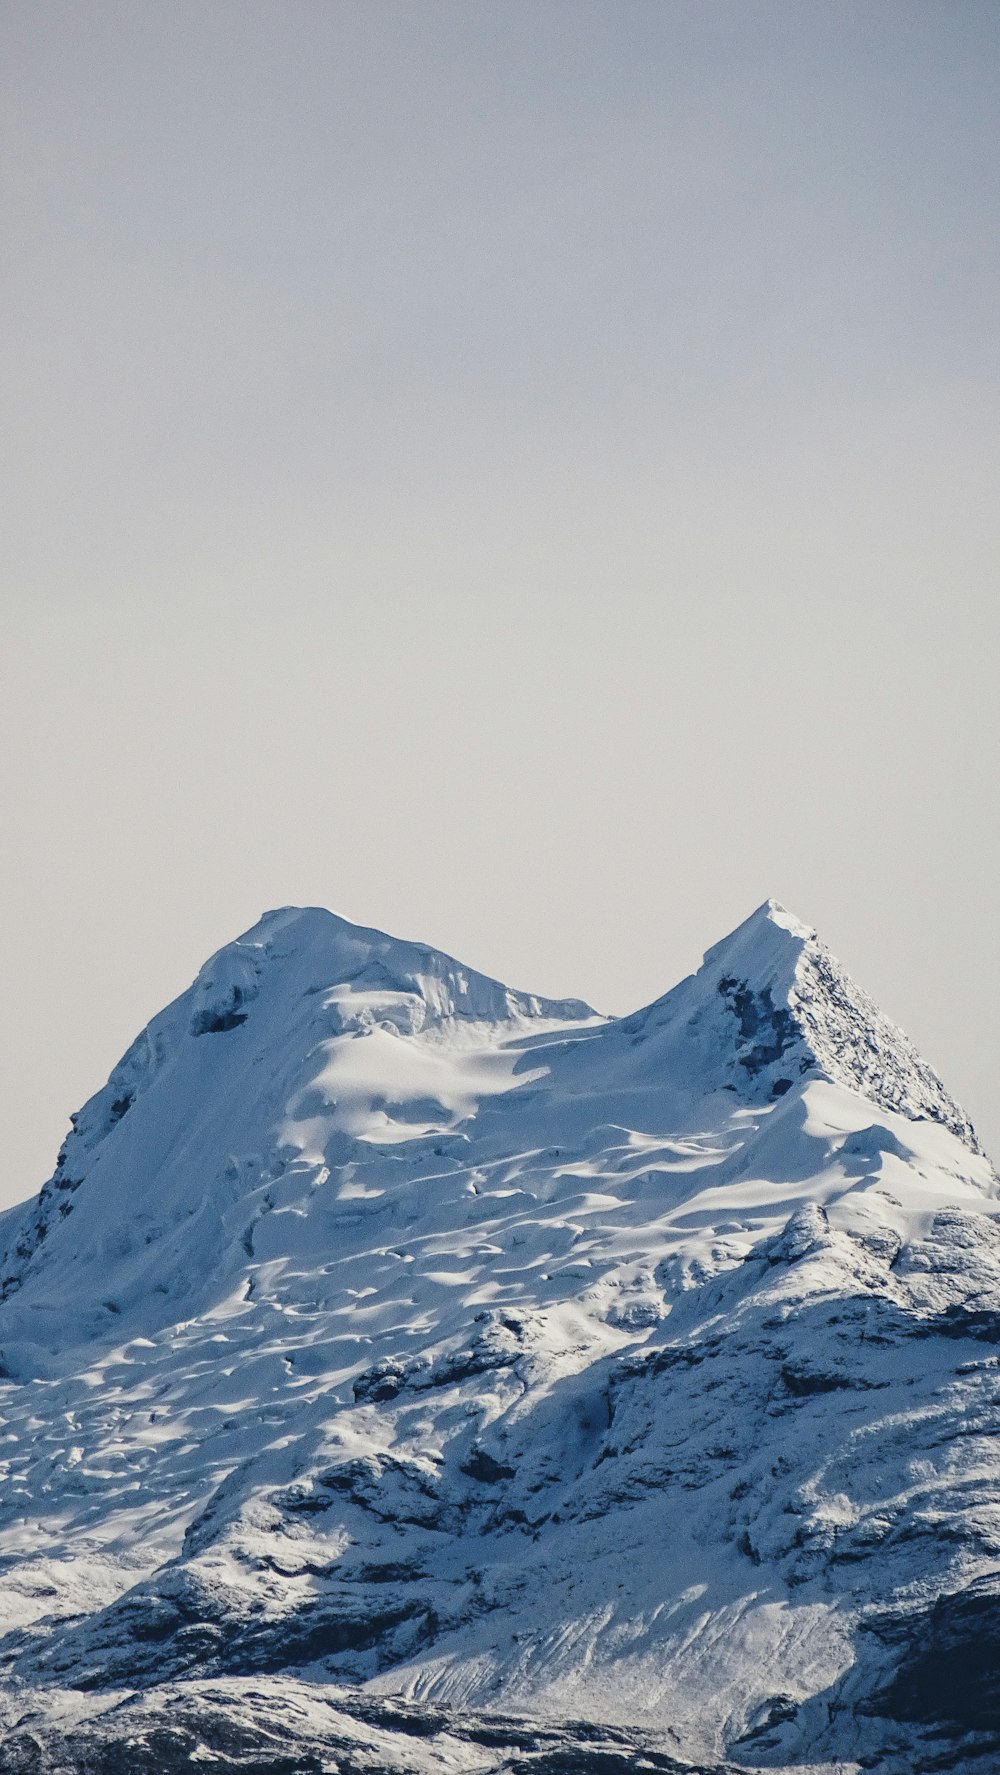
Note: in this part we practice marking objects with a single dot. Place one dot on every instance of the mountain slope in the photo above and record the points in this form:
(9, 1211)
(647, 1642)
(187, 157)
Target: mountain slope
(383, 1326)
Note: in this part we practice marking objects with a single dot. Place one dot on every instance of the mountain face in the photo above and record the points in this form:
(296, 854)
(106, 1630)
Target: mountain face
(405, 1373)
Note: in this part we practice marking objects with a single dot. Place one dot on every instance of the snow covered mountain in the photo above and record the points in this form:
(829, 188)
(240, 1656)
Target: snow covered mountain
(402, 1372)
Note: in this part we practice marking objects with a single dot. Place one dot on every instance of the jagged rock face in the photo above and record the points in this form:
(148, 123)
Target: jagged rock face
(881, 1064)
(787, 1008)
(382, 1326)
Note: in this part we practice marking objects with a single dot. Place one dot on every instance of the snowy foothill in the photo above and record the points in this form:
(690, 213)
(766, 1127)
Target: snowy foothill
(414, 1343)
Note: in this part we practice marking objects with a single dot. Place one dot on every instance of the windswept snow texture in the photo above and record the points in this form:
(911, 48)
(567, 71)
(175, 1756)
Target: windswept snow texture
(398, 1368)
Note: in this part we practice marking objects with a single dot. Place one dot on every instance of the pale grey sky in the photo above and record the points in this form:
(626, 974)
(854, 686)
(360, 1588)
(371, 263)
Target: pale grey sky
(521, 474)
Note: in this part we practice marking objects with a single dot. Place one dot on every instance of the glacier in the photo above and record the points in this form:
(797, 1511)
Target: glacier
(402, 1372)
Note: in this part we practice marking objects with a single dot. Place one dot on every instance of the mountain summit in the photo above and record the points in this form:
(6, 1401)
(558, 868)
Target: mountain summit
(788, 1009)
(450, 1354)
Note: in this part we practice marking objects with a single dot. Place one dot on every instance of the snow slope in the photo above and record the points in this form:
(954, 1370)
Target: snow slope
(384, 1327)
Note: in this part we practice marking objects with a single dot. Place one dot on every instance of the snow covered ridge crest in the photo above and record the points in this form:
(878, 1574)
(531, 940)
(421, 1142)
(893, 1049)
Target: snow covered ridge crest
(787, 1009)
(769, 1007)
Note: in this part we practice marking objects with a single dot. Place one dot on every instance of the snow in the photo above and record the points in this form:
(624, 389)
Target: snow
(384, 1326)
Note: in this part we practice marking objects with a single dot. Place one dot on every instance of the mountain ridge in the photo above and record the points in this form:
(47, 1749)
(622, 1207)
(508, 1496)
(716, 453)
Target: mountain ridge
(384, 1326)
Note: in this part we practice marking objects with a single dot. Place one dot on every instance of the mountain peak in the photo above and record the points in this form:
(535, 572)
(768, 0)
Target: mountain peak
(765, 948)
(265, 1051)
(772, 1000)
(318, 951)
(362, 1267)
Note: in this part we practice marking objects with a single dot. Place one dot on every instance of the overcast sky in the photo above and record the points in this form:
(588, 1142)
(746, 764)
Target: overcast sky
(522, 474)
